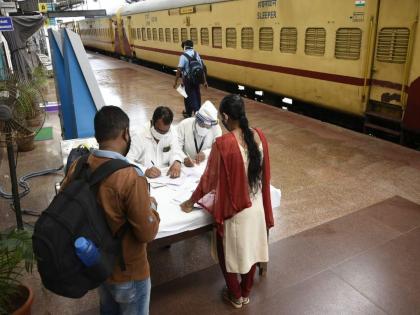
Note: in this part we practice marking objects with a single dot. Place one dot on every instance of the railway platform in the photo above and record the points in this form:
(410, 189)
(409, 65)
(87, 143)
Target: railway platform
(346, 235)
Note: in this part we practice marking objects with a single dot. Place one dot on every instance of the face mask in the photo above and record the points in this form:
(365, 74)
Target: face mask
(224, 122)
(202, 132)
(158, 136)
(128, 145)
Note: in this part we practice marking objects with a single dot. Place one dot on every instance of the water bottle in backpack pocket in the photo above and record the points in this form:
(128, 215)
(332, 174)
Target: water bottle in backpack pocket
(90, 255)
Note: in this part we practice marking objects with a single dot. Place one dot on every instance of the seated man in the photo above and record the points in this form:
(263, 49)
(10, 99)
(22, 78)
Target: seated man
(156, 145)
(197, 134)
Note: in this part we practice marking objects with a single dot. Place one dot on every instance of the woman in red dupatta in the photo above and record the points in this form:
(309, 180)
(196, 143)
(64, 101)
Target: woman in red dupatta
(235, 189)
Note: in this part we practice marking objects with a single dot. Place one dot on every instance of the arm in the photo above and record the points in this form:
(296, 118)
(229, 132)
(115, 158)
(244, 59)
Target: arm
(177, 76)
(177, 153)
(181, 139)
(143, 219)
(181, 66)
(217, 133)
(176, 156)
(207, 185)
(137, 152)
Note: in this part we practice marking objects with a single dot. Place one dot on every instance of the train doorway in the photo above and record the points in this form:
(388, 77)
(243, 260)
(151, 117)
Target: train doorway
(391, 66)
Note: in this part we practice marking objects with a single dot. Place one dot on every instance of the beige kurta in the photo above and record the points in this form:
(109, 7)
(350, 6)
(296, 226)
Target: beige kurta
(245, 235)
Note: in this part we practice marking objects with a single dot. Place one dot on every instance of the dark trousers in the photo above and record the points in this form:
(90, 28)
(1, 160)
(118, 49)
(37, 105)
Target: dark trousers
(235, 288)
(193, 101)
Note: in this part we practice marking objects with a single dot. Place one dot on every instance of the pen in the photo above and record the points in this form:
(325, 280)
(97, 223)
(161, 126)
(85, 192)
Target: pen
(190, 158)
(152, 163)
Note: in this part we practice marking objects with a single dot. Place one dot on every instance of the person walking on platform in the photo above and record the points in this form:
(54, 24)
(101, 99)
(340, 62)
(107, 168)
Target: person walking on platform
(197, 134)
(192, 70)
(235, 189)
(156, 145)
(124, 197)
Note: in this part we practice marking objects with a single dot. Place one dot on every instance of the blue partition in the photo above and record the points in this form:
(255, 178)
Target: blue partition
(76, 85)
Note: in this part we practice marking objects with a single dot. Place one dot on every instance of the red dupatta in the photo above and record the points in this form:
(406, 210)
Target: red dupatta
(223, 189)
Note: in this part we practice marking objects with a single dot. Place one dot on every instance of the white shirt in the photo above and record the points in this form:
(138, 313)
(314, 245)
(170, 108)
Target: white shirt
(187, 133)
(146, 152)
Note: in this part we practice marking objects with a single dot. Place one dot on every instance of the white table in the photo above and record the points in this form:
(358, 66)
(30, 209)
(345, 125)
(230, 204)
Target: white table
(175, 224)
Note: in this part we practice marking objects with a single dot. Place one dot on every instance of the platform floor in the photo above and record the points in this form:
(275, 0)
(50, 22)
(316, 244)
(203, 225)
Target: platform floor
(325, 173)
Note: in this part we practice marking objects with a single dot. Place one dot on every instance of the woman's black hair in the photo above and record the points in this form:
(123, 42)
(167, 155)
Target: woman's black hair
(233, 106)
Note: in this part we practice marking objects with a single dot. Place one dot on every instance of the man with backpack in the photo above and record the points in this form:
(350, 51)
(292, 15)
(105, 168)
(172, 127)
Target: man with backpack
(192, 70)
(128, 212)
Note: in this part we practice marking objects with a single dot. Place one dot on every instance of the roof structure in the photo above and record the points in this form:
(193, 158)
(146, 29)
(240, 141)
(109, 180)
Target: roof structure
(157, 5)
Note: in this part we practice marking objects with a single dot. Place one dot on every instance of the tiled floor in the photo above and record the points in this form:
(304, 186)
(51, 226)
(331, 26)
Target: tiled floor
(363, 263)
(325, 173)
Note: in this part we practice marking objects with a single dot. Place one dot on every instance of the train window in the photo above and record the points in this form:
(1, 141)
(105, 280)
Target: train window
(217, 37)
(149, 34)
(315, 41)
(184, 34)
(204, 32)
(348, 42)
(168, 34)
(393, 45)
(143, 33)
(231, 37)
(139, 33)
(175, 35)
(247, 38)
(132, 32)
(161, 35)
(194, 35)
(154, 32)
(266, 38)
(288, 40)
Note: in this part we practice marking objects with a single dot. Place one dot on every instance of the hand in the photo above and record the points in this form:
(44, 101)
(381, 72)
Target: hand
(206, 85)
(152, 172)
(188, 162)
(200, 157)
(175, 170)
(187, 206)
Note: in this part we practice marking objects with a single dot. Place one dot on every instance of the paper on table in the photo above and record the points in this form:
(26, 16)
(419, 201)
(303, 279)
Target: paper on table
(196, 171)
(181, 90)
(166, 180)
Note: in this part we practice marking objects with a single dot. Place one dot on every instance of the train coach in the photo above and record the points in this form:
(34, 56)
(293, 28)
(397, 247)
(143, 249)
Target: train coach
(360, 57)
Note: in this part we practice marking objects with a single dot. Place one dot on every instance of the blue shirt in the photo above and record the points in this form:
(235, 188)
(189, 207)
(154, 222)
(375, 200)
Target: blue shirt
(184, 63)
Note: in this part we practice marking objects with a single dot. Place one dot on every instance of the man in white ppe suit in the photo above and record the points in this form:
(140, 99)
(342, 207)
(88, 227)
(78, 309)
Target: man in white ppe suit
(197, 134)
(156, 146)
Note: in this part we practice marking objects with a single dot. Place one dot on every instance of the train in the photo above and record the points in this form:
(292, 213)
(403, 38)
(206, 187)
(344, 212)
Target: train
(360, 57)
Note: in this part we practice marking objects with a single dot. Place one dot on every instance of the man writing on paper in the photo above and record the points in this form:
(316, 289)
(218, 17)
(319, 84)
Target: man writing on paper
(156, 145)
(197, 134)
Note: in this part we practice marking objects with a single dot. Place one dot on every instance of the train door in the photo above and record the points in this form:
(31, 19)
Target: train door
(391, 63)
(116, 36)
(125, 29)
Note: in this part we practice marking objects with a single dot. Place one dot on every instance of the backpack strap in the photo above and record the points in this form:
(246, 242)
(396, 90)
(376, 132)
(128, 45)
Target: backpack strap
(106, 170)
(81, 166)
(189, 57)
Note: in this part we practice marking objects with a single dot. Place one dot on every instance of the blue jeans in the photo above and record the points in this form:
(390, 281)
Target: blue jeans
(127, 298)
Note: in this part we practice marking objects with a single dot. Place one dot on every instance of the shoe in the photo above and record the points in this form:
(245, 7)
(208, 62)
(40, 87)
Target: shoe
(236, 303)
(245, 300)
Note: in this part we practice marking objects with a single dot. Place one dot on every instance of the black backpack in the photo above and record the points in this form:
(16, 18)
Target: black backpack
(74, 212)
(75, 154)
(195, 74)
